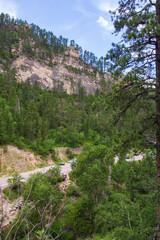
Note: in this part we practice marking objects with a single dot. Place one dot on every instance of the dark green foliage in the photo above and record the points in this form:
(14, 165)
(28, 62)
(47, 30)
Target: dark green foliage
(123, 207)
(80, 221)
(126, 209)
(73, 69)
(39, 119)
(73, 191)
(53, 175)
(136, 61)
(7, 125)
(16, 181)
(11, 194)
(15, 187)
(70, 154)
(133, 62)
(91, 170)
(80, 71)
(39, 188)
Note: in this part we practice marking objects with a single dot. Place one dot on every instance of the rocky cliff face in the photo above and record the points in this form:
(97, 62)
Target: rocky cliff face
(66, 72)
(40, 56)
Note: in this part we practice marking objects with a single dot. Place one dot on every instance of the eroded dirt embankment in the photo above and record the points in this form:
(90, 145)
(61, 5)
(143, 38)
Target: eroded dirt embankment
(16, 160)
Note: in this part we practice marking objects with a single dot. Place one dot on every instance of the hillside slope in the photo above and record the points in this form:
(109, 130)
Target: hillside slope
(35, 54)
(15, 160)
(67, 73)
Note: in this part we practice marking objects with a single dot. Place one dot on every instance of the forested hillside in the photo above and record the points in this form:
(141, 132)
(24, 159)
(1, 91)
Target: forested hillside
(38, 119)
(105, 200)
(34, 38)
(35, 54)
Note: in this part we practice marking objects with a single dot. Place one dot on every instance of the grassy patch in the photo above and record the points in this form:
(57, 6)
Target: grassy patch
(4, 170)
(10, 193)
(40, 165)
(11, 171)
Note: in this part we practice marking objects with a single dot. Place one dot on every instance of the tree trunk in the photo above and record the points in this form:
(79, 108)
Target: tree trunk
(109, 176)
(158, 110)
(61, 133)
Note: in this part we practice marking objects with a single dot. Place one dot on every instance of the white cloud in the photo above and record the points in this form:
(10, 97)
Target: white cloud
(106, 6)
(104, 24)
(66, 27)
(9, 6)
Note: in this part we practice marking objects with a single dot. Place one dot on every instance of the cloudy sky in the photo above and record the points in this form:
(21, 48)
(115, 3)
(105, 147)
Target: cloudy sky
(85, 21)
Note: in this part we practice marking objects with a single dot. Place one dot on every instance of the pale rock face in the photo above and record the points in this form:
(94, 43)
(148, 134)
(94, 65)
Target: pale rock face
(72, 52)
(32, 70)
(61, 75)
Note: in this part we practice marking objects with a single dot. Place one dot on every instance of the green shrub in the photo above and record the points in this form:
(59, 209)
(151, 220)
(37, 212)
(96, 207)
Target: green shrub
(70, 154)
(10, 193)
(72, 191)
(67, 236)
(20, 143)
(39, 190)
(15, 182)
(53, 175)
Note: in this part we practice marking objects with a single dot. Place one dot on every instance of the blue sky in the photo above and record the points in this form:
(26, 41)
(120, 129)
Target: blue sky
(85, 21)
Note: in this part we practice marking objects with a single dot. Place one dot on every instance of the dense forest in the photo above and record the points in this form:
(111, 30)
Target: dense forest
(104, 200)
(39, 120)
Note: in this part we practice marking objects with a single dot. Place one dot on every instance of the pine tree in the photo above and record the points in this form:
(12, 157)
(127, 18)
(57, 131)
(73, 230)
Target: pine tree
(139, 54)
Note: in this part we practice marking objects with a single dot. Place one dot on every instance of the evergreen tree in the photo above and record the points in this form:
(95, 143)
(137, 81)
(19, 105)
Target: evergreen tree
(139, 51)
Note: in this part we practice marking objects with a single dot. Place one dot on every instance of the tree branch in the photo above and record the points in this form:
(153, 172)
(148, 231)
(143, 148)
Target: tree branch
(153, 4)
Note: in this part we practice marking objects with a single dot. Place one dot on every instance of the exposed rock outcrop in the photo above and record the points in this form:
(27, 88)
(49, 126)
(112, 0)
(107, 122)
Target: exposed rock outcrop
(66, 72)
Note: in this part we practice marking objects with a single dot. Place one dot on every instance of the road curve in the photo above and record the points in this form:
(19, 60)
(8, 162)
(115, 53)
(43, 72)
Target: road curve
(65, 169)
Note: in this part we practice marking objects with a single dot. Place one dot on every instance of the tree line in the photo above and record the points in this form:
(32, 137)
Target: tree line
(37, 42)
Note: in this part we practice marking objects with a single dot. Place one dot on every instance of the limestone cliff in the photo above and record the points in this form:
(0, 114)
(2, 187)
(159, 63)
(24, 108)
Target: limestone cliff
(66, 72)
(38, 55)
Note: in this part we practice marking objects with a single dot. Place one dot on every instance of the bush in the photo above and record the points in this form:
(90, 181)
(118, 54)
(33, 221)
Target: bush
(121, 233)
(53, 155)
(53, 175)
(11, 194)
(15, 187)
(15, 182)
(72, 191)
(39, 190)
(70, 154)
(67, 236)
(20, 143)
